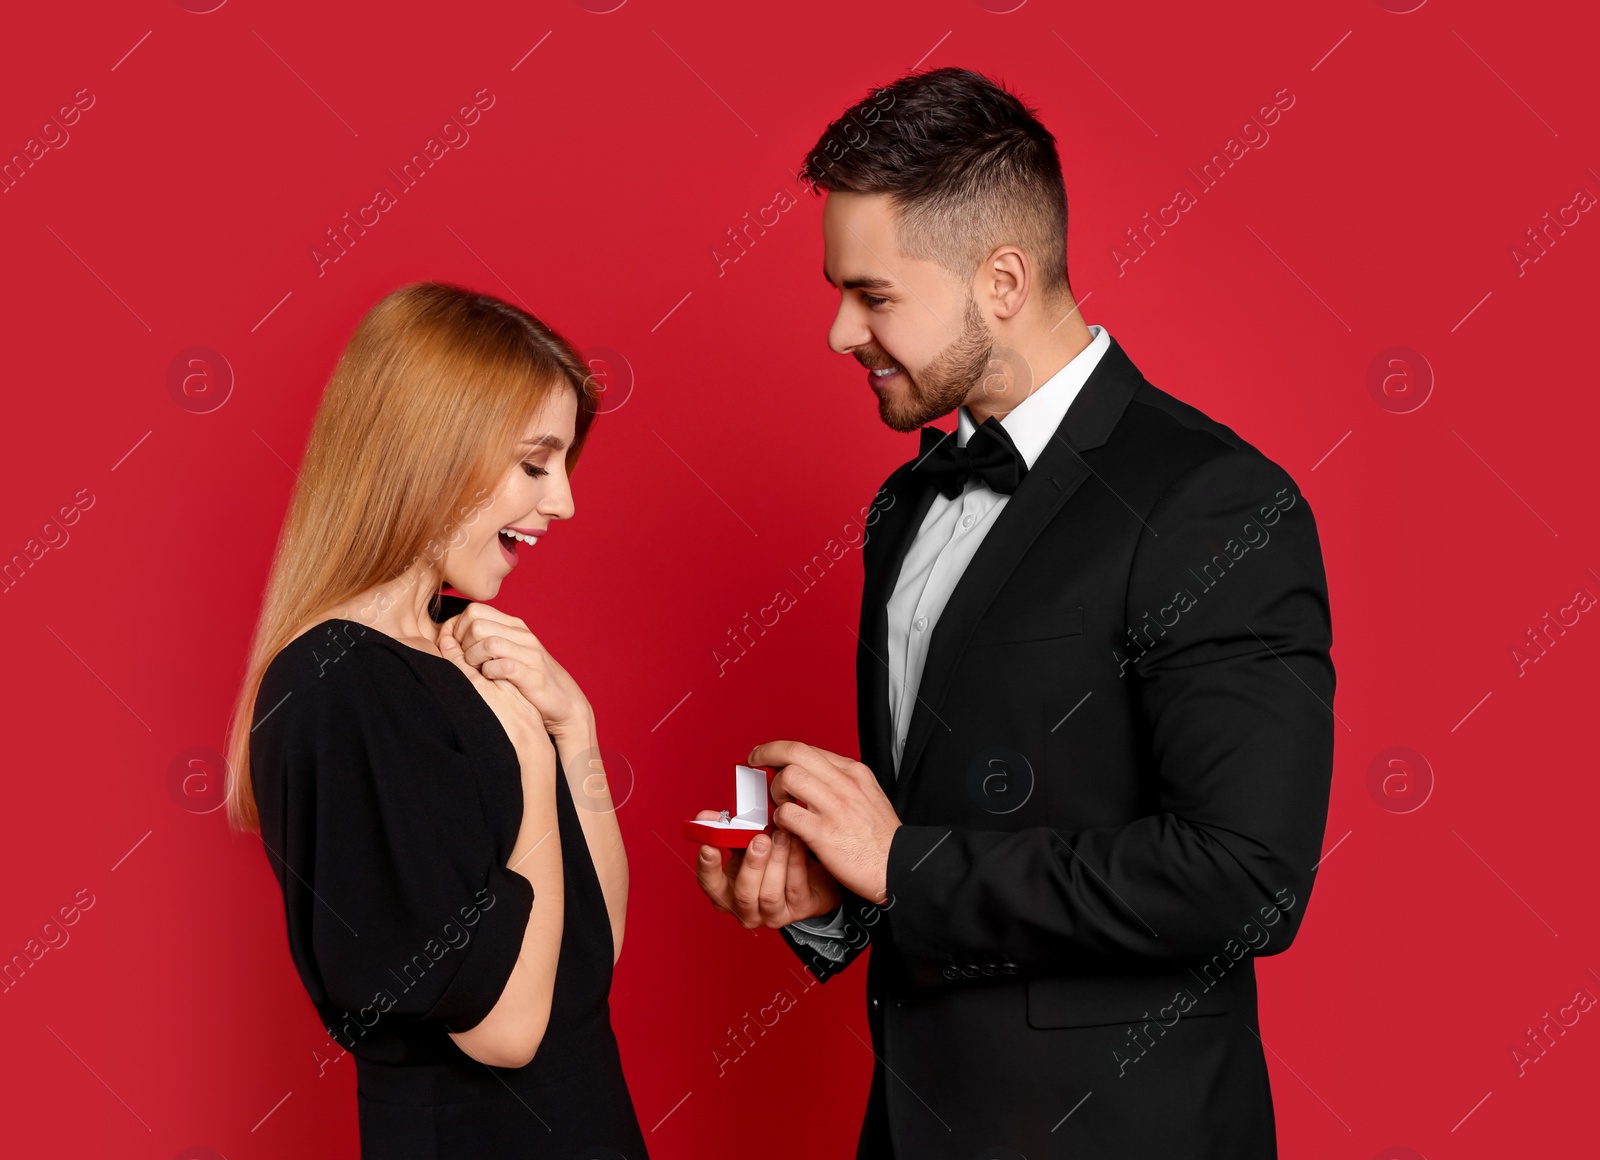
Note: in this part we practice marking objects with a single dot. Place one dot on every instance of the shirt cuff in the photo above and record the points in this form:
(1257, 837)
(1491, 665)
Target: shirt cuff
(826, 926)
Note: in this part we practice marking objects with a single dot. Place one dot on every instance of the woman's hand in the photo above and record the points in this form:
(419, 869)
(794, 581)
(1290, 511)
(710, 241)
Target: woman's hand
(520, 719)
(502, 647)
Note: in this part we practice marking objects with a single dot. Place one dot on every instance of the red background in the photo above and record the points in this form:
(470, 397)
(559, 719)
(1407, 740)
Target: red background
(220, 147)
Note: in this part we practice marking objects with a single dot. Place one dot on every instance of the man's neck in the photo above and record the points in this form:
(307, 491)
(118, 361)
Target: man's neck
(1035, 356)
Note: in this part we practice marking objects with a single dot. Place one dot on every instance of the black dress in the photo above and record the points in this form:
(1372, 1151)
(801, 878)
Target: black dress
(390, 798)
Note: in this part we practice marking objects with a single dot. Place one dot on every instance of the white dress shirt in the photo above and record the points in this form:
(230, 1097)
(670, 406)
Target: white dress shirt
(949, 537)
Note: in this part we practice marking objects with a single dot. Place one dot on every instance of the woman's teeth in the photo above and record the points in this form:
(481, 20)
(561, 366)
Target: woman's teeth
(519, 536)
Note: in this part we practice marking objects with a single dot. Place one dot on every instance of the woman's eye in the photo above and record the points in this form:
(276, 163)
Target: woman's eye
(534, 470)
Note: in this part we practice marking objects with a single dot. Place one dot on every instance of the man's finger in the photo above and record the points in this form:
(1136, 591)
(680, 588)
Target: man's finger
(796, 753)
(774, 883)
(797, 882)
(747, 880)
(800, 822)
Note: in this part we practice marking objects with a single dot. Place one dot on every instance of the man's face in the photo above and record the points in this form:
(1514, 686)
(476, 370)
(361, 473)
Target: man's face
(909, 318)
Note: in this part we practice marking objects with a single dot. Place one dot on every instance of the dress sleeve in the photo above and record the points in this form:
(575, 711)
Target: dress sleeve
(411, 912)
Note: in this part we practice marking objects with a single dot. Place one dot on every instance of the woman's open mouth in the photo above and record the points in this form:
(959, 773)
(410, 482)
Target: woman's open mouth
(509, 539)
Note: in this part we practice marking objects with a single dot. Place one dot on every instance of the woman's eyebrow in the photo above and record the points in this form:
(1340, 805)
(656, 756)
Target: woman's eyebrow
(545, 441)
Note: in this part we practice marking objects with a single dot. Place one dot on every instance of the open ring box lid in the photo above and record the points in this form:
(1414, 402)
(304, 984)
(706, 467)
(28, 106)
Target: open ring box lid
(752, 797)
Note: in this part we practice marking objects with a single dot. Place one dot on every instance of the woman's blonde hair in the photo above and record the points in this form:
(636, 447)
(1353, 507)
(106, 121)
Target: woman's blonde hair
(417, 427)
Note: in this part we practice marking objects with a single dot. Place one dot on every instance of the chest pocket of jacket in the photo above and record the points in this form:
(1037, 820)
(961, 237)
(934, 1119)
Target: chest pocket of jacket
(1007, 626)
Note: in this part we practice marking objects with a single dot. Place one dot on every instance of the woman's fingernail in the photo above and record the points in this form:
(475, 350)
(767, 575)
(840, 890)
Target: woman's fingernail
(758, 844)
(780, 839)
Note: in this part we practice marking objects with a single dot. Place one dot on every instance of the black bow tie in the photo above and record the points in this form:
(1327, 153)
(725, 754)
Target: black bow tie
(989, 454)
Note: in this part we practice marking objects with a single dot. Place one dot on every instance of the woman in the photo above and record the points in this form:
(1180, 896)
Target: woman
(406, 754)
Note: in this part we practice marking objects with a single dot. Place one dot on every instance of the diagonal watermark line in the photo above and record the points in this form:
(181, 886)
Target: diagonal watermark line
(495, 273)
(1332, 848)
(896, 1075)
(701, 478)
(674, 1108)
(132, 449)
(529, 53)
(99, 678)
(101, 280)
(702, 80)
(1501, 478)
(302, 80)
(96, 1075)
(1506, 884)
(1104, 484)
(271, 312)
(1332, 449)
(753, 930)
(131, 849)
(1075, 1107)
(1510, 90)
(671, 312)
(1471, 312)
(930, 52)
(1329, 53)
(1102, 881)
(268, 847)
(272, 710)
(1297, 677)
(1471, 711)
(1076, 306)
(1072, 710)
(1475, 1107)
(1296, 1075)
(275, 1107)
(1102, 80)
(129, 53)
(931, 849)
(1299, 279)
(671, 711)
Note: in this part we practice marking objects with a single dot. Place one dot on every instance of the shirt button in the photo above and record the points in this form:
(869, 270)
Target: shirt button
(966, 520)
(922, 623)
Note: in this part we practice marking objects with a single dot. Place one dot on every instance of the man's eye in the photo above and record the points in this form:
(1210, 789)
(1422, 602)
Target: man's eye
(873, 301)
(534, 470)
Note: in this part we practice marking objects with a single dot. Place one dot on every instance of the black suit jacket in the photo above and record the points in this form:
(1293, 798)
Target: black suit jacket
(1113, 795)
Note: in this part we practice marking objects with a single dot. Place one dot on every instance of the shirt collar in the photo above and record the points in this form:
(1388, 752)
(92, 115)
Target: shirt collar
(1032, 421)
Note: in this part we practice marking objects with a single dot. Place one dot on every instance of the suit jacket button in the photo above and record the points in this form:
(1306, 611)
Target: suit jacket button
(872, 1001)
(989, 968)
(952, 972)
(970, 970)
(1008, 968)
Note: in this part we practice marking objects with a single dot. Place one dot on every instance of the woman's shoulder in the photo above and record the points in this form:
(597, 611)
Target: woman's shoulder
(341, 663)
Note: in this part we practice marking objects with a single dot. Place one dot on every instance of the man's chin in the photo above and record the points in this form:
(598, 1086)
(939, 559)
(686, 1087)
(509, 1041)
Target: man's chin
(906, 417)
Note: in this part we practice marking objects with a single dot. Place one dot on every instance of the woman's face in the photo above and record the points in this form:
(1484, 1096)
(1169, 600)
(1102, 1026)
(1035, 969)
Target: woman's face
(533, 492)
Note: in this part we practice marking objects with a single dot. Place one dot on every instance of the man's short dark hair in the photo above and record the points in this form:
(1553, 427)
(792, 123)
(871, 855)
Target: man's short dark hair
(966, 165)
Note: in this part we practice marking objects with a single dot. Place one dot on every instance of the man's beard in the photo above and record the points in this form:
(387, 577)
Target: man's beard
(944, 384)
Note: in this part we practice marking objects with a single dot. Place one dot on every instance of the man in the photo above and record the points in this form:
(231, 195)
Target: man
(1094, 688)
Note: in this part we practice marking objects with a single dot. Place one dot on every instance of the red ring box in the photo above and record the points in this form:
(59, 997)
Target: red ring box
(751, 814)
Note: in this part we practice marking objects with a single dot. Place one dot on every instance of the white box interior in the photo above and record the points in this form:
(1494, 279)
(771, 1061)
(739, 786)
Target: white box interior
(750, 796)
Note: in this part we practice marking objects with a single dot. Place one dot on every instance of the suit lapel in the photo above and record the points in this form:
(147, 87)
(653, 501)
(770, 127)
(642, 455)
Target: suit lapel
(1058, 472)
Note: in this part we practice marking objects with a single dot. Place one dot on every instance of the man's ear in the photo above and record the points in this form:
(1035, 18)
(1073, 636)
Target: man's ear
(1004, 281)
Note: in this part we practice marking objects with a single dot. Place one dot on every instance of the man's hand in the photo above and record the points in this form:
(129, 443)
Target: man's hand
(845, 817)
(771, 884)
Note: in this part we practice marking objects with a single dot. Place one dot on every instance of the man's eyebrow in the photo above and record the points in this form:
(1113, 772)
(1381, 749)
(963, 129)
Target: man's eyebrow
(544, 441)
(861, 283)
